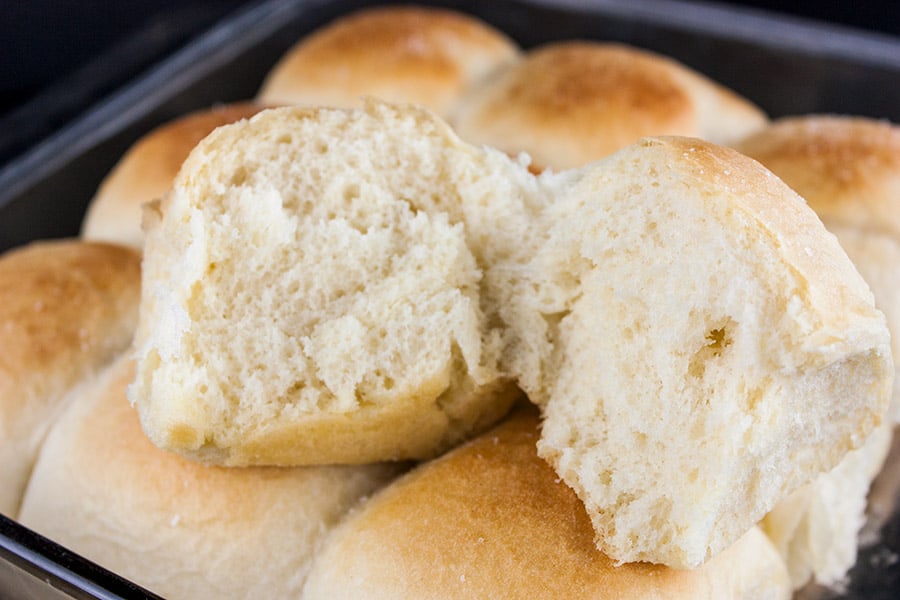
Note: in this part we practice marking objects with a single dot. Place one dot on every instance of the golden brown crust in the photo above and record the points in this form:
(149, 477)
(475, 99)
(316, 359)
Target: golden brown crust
(847, 168)
(491, 519)
(68, 307)
(401, 54)
(568, 103)
(146, 172)
(178, 527)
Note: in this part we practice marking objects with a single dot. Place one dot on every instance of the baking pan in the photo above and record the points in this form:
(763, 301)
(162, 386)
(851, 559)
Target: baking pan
(785, 65)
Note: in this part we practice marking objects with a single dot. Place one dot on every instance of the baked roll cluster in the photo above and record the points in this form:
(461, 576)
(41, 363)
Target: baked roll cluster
(334, 291)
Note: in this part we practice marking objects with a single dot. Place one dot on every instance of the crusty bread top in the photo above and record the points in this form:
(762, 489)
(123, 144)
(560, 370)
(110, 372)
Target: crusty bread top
(492, 520)
(424, 55)
(847, 168)
(66, 309)
(569, 103)
(179, 528)
(146, 172)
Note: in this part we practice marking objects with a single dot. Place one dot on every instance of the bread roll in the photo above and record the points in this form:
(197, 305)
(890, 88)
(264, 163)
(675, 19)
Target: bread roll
(311, 297)
(492, 520)
(178, 528)
(146, 172)
(66, 309)
(713, 348)
(330, 285)
(569, 103)
(848, 169)
(429, 56)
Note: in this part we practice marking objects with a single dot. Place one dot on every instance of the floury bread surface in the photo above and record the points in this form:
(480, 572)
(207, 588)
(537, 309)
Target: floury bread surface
(353, 286)
(311, 296)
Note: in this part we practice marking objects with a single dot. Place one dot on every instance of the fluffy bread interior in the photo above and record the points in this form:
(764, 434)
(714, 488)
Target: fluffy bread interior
(313, 289)
(715, 337)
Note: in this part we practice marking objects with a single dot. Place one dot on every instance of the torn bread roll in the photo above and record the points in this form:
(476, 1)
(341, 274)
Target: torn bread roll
(569, 103)
(67, 308)
(422, 55)
(352, 285)
(713, 348)
(181, 529)
(492, 520)
(146, 171)
(310, 295)
(848, 170)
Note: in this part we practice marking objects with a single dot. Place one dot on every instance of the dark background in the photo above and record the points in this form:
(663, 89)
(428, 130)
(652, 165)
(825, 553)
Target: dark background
(59, 56)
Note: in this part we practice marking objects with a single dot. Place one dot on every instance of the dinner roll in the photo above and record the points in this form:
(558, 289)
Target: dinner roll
(492, 520)
(848, 170)
(146, 172)
(569, 103)
(714, 348)
(311, 296)
(429, 56)
(67, 308)
(179, 528)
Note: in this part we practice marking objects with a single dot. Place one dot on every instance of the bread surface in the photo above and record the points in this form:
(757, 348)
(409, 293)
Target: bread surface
(492, 520)
(181, 529)
(428, 56)
(569, 103)
(67, 308)
(146, 171)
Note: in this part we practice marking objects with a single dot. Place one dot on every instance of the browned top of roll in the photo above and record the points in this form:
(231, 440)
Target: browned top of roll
(400, 54)
(847, 168)
(66, 309)
(146, 171)
(492, 520)
(568, 103)
(180, 528)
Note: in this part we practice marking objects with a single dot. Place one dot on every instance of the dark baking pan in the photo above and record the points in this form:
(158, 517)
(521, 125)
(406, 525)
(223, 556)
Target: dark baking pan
(786, 65)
